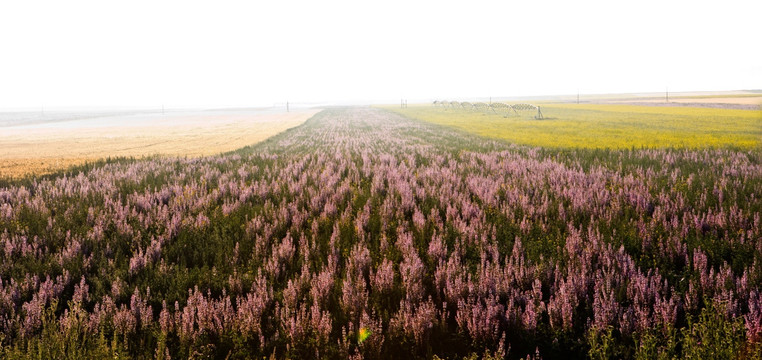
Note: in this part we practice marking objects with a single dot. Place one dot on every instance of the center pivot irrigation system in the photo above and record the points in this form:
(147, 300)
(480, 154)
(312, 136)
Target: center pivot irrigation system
(495, 107)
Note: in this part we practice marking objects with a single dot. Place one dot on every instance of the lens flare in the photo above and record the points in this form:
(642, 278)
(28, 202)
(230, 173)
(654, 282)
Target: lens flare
(362, 334)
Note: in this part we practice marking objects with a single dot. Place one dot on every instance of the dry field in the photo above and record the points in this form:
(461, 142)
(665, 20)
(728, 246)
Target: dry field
(728, 100)
(740, 100)
(49, 146)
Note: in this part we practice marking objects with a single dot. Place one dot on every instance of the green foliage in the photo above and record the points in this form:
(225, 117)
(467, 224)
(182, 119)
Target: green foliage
(712, 335)
(74, 342)
(653, 344)
(602, 343)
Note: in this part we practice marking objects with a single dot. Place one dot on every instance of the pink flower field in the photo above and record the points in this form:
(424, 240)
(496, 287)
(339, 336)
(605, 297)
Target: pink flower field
(364, 234)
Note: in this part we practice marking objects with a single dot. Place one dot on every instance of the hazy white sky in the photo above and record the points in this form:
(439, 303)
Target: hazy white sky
(248, 53)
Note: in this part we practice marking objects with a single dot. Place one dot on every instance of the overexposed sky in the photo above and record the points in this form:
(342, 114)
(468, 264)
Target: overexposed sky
(254, 53)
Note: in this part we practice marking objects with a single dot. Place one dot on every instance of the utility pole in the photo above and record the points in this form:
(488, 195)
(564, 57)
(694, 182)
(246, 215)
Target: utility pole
(287, 110)
(577, 96)
(667, 94)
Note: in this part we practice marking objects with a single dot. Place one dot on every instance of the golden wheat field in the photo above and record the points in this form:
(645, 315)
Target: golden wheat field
(49, 146)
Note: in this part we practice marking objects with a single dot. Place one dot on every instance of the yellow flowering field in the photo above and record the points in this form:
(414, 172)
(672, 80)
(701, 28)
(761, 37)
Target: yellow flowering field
(606, 126)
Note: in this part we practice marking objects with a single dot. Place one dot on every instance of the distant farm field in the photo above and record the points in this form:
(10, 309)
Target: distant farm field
(607, 126)
(56, 142)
